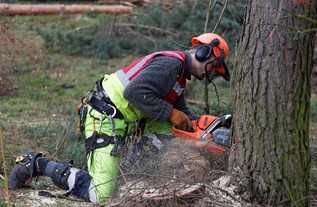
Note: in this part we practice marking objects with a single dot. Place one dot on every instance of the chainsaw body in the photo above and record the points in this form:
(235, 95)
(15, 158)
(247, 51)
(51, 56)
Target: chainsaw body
(210, 133)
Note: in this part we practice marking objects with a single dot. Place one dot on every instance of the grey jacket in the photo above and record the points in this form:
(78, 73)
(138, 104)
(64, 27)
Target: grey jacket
(147, 91)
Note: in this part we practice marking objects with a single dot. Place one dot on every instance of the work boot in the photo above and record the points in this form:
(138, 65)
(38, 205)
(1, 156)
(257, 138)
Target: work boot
(24, 170)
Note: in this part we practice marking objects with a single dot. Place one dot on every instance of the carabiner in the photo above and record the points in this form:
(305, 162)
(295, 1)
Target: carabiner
(114, 111)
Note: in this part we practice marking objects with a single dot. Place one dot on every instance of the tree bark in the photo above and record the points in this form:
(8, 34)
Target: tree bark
(45, 9)
(271, 100)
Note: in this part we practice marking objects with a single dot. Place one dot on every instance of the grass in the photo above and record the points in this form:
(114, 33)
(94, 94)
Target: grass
(47, 90)
(42, 131)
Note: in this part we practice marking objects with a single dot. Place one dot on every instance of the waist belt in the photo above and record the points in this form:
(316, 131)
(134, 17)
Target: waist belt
(99, 100)
(98, 140)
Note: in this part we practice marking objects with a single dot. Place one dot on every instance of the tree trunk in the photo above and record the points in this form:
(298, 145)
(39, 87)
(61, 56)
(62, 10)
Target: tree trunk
(271, 100)
(36, 9)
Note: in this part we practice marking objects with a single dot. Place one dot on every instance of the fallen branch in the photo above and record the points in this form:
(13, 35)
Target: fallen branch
(45, 9)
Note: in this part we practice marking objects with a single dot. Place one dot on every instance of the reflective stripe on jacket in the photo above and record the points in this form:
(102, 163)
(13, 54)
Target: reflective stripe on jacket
(116, 83)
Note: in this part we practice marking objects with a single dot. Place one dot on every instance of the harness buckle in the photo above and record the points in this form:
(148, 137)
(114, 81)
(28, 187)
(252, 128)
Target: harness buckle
(99, 101)
(97, 140)
(114, 111)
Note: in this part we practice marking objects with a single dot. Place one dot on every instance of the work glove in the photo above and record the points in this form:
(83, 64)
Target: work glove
(180, 120)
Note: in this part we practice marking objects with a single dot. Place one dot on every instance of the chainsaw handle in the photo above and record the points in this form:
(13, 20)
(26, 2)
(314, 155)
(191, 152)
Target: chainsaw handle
(193, 135)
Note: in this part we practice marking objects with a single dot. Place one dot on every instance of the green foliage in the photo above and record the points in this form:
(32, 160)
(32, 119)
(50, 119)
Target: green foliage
(152, 28)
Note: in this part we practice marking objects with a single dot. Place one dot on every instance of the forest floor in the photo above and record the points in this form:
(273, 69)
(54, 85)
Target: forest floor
(39, 92)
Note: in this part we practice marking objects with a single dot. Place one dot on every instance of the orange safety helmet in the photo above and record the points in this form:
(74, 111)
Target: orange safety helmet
(220, 50)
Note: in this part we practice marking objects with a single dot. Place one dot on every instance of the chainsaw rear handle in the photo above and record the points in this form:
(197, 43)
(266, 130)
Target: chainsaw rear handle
(199, 126)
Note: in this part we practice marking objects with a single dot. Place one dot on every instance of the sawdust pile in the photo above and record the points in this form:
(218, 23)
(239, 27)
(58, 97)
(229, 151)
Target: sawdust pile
(179, 175)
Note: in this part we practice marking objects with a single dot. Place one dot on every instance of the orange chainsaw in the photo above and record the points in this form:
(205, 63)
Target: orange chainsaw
(210, 133)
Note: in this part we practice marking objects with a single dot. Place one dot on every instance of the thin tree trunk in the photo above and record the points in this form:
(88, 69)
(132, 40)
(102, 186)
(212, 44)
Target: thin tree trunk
(271, 101)
(36, 9)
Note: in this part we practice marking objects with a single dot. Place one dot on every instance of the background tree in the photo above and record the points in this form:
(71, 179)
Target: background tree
(271, 100)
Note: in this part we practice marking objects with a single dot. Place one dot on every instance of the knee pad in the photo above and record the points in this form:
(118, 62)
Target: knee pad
(83, 187)
(76, 181)
(60, 175)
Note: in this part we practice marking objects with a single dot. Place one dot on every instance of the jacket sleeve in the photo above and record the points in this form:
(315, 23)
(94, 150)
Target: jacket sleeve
(182, 106)
(147, 91)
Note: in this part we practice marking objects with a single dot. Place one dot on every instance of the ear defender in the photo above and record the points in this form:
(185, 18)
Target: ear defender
(204, 52)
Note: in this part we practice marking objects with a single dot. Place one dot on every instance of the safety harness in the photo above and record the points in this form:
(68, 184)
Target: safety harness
(98, 140)
(100, 101)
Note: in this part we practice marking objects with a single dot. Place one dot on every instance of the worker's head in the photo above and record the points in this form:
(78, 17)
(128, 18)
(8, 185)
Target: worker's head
(209, 51)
